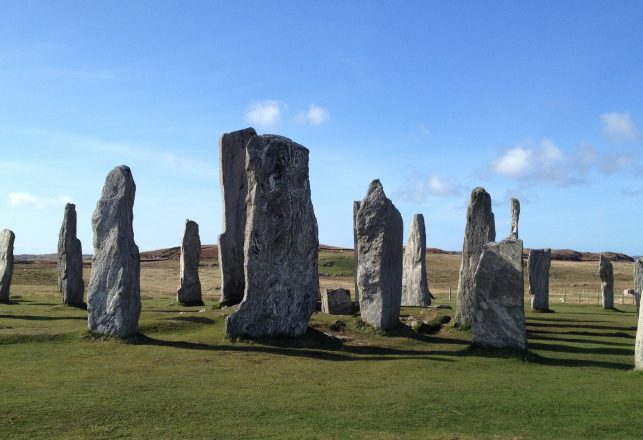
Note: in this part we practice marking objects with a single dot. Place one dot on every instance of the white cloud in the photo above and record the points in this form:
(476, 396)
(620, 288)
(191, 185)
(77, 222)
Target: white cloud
(22, 198)
(619, 127)
(514, 163)
(417, 188)
(315, 115)
(265, 113)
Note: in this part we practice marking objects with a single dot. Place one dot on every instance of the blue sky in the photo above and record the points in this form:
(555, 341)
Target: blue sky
(539, 100)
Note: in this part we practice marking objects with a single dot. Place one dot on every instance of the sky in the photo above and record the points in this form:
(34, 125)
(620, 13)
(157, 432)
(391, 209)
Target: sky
(539, 100)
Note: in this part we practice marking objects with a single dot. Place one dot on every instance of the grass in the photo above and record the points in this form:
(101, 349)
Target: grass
(182, 379)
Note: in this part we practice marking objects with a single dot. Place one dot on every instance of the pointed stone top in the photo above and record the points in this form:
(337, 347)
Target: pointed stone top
(118, 183)
(70, 206)
(479, 193)
(375, 187)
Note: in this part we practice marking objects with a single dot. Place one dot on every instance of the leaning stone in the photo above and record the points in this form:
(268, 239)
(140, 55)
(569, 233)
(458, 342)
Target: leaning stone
(7, 238)
(515, 217)
(415, 287)
(114, 296)
(498, 312)
(234, 188)
(336, 302)
(480, 230)
(539, 263)
(379, 249)
(606, 272)
(281, 244)
(356, 205)
(189, 292)
(70, 260)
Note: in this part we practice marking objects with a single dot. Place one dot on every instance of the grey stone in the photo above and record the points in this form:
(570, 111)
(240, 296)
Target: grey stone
(189, 291)
(415, 286)
(356, 205)
(7, 238)
(114, 294)
(70, 260)
(234, 189)
(281, 243)
(515, 217)
(638, 286)
(379, 249)
(336, 302)
(480, 230)
(638, 281)
(498, 313)
(606, 273)
(539, 263)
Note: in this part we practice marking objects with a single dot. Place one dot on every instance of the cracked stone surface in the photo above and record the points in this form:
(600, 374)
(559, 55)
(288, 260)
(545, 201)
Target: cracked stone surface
(70, 260)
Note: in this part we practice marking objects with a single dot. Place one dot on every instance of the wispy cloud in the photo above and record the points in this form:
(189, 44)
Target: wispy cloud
(418, 187)
(265, 113)
(619, 127)
(26, 199)
(315, 115)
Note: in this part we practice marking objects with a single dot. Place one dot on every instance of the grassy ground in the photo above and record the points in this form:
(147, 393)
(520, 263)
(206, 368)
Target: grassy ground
(183, 379)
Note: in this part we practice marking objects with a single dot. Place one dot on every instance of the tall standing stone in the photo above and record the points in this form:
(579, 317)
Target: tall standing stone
(234, 189)
(480, 230)
(415, 287)
(515, 217)
(638, 286)
(281, 244)
(498, 319)
(189, 292)
(114, 296)
(7, 238)
(606, 273)
(356, 205)
(70, 260)
(379, 249)
(539, 263)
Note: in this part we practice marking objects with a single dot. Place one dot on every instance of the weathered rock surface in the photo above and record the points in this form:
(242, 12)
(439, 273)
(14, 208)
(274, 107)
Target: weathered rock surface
(356, 205)
(638, 282)
(515, 218)
(7, 238)
(336, 302)
(606, 273)
(415, 287)
(638, 286)
(189, 291)
(539, 263)
(281, 242)
(379, 249)
(480, 230)
(70, 260)
(498, 312)
(234, 189)
(114, 295)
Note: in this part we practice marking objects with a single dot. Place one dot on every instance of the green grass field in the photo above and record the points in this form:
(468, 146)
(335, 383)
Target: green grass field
(182, 379)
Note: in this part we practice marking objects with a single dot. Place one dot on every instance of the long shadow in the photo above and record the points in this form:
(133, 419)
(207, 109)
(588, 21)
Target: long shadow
(42, 318)
(589, 334)
(590, 327)
(544, 336)
(544, 360)
(569, 349)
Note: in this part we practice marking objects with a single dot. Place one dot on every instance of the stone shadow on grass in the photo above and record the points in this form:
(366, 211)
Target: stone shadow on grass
(42, 318)
(550, 336)
(583, 326)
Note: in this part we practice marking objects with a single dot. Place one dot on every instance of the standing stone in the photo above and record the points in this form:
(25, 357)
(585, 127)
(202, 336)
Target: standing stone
(189, 292)
(356, 205)
(336, 302)
(638, 286)
(281, 244)
(498, 314)
(379, 249)
(114, 297)
(515, 217)
(70, 260)
(638, 282)
(539, 263)
(234, 188)
(606, 272)
(7, 238)
(415, 287)
(480, 230)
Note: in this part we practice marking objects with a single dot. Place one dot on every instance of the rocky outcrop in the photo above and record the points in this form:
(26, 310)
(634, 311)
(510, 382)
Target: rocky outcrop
(70, 260)
(234, 189)
(606, 273)
(7, 238)
(189, 291)
(539, 263)
(336, 302)
(415, 286)
(379, 249)
(114, 295)
(480, 230)
(281, 243)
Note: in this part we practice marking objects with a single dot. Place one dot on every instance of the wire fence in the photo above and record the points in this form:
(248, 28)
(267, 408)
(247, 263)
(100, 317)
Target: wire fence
(555, 296)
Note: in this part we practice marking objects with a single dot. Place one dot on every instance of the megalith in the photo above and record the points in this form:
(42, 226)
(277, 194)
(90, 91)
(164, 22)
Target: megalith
(114, 296)
(189, 291)
(281, 242)
(638, 282)
(7, 238)
(498, 319)
(379, 249)
(515, 217)
(606, 273)
(480, 230)
(638, 286)
(538, 264)
(336, 302)
(415, 287)
(356, 205)
(70, 260)
(234, 189)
